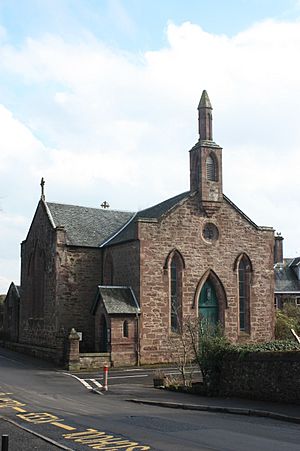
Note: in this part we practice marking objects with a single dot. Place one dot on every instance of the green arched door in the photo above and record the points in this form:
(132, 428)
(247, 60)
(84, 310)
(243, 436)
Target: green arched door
(208, 304)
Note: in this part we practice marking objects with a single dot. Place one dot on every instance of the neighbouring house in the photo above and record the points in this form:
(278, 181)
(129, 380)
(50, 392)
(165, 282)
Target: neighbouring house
(128, 282)
(287, 276)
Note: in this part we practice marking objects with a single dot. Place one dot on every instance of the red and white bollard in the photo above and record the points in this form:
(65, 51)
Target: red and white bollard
(105, 377)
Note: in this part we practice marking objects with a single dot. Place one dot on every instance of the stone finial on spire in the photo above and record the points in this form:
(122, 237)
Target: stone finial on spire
(42, 188)
(205, 118)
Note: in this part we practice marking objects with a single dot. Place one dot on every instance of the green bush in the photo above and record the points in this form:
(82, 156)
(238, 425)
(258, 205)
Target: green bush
(211, 349)
(271, 346)
(286, 319)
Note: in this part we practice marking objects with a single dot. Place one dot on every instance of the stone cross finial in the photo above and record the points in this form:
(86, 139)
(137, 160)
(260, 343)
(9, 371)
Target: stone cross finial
(105, 204)
(42, 188)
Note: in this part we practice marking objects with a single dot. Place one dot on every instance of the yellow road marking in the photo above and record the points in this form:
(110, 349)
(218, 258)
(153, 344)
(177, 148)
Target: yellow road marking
(64, 426)
(100, 440)
(9, 402)
(18, 409)
(38, 417)
(91, 437)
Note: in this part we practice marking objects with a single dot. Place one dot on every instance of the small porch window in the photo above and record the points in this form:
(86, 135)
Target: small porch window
(125, 329)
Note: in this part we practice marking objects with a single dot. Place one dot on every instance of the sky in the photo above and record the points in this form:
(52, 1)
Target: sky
(100, 98)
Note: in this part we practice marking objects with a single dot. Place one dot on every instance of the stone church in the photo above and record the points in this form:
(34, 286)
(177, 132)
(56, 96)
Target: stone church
(128, 282)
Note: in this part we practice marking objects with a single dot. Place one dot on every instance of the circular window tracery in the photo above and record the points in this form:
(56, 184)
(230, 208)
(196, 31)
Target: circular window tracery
(210, 232)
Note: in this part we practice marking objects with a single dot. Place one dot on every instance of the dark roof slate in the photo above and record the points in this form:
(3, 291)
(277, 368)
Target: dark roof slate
(162, 208)
(159, 210)
(87, 226)
(94, 227)
(155, 212)
(117, 300)
(285, 277)
(295, 262)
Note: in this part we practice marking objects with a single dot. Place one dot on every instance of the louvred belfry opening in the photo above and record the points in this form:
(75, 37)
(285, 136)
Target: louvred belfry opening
(206, 161)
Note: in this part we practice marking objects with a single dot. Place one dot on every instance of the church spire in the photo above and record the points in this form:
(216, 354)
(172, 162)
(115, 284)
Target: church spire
(206, 162)
(205, 118)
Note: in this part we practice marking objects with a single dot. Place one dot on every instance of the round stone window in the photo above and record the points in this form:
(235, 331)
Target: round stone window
(210, 232)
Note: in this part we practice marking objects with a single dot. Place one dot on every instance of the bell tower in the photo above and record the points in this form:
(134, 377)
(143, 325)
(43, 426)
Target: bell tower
(206, 161)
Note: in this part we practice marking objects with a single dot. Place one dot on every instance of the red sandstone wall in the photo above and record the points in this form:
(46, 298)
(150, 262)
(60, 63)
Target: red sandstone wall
(182, 230)
(125, 259)
(79, 274)
(123, 349)
(38, 318)
(58, 288)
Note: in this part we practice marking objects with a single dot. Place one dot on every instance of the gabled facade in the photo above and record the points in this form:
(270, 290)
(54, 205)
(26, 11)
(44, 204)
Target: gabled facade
(129, 282)
(61, 267)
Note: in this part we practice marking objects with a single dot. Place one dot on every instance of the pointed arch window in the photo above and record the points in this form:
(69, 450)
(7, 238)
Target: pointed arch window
(244, 277)
(211, 168)
(125, 329)
(176, 267)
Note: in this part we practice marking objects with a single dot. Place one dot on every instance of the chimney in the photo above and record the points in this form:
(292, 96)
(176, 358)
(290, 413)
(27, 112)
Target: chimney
(278, 249)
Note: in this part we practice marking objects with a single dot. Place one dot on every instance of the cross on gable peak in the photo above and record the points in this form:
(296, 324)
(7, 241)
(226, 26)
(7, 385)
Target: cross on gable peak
(105, 205)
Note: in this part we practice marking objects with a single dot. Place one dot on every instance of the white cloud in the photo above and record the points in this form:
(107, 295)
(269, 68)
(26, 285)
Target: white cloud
(99, 124)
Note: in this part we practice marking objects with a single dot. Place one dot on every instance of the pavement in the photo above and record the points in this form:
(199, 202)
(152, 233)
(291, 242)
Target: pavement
(23, 439)
(177, 400)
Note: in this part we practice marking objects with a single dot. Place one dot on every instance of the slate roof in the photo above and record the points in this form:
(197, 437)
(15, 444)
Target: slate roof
(117, 300)
(94, 227)
(295, 262)
(159, 210)
(162, 208)
(285, 277)
(155, 212)
(87, 226)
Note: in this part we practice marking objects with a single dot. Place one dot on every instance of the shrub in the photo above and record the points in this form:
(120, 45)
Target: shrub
(286, 319)
(209, 346)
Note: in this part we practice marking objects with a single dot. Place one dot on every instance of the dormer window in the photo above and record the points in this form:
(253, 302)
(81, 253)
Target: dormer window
(211, 169)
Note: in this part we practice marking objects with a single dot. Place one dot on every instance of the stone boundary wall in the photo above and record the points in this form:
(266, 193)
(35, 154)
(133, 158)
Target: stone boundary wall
(49, 354)
(83, 361)
(270, 376)
(93, 360)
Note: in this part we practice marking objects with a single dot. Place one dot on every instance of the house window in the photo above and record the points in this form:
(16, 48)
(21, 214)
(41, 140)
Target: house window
(297, 302)
(125, 329)
(244, 274)
(211, 169)
(175, 292)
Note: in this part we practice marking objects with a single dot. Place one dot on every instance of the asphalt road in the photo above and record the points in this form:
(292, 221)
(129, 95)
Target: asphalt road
(128, 376)
(60, 407)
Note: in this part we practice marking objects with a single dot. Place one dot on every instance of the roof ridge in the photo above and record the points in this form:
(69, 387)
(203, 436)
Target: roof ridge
(89, 208)
(118, 231)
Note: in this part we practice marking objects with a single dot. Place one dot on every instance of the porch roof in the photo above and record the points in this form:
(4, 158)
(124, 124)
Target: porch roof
(117, 300)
